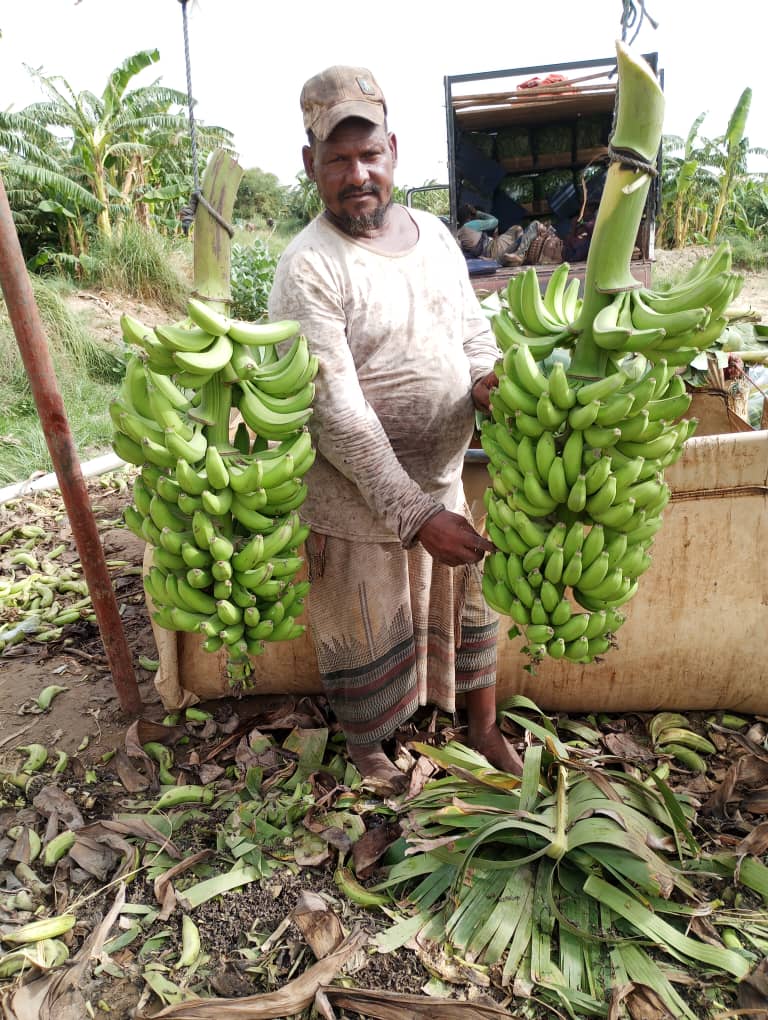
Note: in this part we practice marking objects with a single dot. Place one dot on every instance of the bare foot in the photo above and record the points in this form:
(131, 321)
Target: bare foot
(497, 749)
(376, 769)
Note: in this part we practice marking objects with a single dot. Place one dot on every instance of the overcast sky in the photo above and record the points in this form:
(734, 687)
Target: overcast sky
(249, 59)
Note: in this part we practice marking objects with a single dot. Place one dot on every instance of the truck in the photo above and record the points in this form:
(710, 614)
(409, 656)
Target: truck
(532, 143)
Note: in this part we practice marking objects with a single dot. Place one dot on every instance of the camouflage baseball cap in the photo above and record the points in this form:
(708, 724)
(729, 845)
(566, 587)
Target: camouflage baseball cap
(337, 93)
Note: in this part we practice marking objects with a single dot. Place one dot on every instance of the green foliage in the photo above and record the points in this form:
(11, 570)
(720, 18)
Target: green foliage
(436, 200)
(304, 202)
(82, 163)
(749, 250)
(87, 373)
(136, 261)
(253, 269)
(707, 191)
(260, 195)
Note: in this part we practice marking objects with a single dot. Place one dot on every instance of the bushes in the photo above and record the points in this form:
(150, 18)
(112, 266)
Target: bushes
(136, 261)
(86, 371)
(253, 269)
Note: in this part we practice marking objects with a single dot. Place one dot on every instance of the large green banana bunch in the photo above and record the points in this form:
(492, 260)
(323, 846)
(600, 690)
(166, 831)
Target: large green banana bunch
(577, 464)
(578, 442)
(220, 514)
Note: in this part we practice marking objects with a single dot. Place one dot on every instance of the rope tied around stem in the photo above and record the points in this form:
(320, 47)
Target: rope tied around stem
(187, 212)
(631, 160)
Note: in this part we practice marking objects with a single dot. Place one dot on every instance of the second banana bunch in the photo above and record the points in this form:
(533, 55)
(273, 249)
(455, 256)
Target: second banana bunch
(219, 510)
(577, 464)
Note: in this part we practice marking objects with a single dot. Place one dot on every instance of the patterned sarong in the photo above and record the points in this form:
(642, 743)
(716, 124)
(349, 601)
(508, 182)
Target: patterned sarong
(394, 630)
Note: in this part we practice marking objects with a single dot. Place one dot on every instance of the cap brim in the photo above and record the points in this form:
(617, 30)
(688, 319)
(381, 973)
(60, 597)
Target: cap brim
(327, 121)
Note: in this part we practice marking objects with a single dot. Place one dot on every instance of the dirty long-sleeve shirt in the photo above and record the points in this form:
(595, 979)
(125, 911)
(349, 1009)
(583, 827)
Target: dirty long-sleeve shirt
(400, 339)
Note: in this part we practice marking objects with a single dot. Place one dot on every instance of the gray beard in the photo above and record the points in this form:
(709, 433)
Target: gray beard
(359, 226)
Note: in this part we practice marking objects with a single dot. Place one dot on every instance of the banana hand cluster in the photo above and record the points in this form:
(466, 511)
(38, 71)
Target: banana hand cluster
(221, 516)
(541, 322)
(673, 325)
(577, 465)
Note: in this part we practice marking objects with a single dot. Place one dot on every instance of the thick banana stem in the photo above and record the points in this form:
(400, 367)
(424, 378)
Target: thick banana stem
(637, 135)
(217, 401)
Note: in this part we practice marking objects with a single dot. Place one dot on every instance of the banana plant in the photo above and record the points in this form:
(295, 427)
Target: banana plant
(576, 878)
(735, 144)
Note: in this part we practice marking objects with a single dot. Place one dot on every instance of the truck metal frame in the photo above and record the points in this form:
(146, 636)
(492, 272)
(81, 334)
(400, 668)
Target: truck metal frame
(586, 93)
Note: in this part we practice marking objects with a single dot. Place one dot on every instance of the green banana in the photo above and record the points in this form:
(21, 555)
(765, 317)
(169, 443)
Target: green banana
(673, 322)
(187, 339)
(265, 421)
(600, 389)
(207, 318)
(208, 361)
(257, 334)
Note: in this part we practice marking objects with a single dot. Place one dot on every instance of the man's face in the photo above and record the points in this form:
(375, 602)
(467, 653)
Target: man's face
(354, 172)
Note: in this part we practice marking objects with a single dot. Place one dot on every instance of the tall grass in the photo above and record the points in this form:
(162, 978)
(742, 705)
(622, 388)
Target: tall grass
(276, 239)
(87, 373)
(139, 262)
(748, 252)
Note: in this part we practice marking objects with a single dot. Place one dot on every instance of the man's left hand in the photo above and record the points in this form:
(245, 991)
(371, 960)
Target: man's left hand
(481, 391)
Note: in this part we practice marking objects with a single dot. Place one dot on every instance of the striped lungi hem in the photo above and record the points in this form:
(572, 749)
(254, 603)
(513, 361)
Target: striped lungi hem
(394, 630)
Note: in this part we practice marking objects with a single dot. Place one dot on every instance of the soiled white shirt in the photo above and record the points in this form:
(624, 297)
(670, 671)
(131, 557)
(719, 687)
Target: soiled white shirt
(401, 339)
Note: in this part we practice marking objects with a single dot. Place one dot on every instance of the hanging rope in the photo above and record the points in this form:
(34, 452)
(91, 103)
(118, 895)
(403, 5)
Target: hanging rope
(187, 212)
(629, 17)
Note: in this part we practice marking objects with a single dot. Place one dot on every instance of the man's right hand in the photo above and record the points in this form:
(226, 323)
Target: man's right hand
(452, 540)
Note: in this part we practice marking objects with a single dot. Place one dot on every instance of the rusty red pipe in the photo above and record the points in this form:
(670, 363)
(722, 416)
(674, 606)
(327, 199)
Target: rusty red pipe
(36, 356)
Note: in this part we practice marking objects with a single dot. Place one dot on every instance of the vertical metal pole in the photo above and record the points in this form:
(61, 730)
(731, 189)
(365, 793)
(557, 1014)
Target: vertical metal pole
(36, 356)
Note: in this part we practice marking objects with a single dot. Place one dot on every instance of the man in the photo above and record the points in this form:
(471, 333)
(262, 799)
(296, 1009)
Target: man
(478, 237)
(405, 353)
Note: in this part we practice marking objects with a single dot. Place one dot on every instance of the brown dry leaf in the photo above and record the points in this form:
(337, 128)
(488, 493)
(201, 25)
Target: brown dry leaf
(757, 802)
(618, 995)
(421, 773)
(752, 771)
(644, 1004)
(717, 803)
(706, 931)
(292, 998)
(53, 801)
(133, 780)
(382, 1005)
(756, 842)
(230, 724)
(164, 891)
(372, 845)
(99, 846)
(210, 773)
(20, 851)
(753, 992)
(266, 756)
(624, 746)
(94, 857)
(142, 830)
(438, 960)
(319, 925)
(57, 996)
(282, 720)
(144, 730)
(602, 782)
